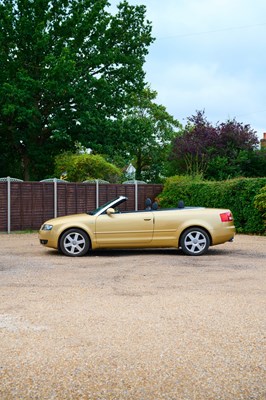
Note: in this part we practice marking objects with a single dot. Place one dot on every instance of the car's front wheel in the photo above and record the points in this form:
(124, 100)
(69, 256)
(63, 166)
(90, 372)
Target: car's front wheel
(194, 242)
(74, 243)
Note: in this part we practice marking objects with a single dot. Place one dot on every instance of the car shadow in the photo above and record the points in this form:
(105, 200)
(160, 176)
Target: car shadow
(115, 253)
(132, 252)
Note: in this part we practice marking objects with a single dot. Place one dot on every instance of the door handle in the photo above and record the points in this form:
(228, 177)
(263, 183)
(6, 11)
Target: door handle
(147, 219)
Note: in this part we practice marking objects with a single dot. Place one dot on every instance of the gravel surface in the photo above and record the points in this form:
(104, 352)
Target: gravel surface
(141, 325)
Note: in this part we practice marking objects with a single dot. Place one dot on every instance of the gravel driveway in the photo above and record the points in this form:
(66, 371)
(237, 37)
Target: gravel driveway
(140, 325)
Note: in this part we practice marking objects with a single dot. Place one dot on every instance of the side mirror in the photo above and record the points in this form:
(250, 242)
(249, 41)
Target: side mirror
(110, 211)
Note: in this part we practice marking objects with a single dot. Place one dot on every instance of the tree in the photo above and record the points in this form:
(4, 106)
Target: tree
(253, 163)
(146, 135)
(81, 167)
(68, 68)
(237, 149)
(223, 151)
(194, 146)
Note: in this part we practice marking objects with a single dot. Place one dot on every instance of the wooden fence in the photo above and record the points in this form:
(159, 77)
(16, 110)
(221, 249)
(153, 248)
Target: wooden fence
(26, 205)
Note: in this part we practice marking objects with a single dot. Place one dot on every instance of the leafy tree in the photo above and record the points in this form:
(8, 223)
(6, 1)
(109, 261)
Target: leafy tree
(194, 146)
(68, 68)
(146, 135)
(234, 137)
(253, 163)
(247, 163)
(82, 167)
(216, 152)
(237, 147)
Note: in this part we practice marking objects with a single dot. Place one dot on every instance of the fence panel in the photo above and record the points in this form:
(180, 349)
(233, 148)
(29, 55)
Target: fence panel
(32, 203)
(16, 206)
(3, 206)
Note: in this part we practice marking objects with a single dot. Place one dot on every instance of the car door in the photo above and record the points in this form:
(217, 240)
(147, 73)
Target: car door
(129, 229)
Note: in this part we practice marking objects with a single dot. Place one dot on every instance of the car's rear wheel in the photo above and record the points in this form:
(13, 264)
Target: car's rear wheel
(194, 242)
(74, 243)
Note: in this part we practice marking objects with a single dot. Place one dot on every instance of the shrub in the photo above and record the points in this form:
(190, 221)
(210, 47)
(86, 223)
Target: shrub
(82, 167)
(260, 201)
(242, 196)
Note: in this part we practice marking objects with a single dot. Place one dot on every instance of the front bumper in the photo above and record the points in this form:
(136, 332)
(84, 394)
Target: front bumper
(48, 239)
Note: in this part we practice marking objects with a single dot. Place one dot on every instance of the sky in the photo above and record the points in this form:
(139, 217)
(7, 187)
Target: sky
(209, 55)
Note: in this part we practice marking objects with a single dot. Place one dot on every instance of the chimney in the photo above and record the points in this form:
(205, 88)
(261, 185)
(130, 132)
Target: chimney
(263, 141)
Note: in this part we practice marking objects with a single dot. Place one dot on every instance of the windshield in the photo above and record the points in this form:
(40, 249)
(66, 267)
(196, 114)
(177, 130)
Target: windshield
(99, 208)
(105, 206)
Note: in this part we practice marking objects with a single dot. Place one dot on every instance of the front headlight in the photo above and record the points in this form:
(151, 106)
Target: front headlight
(47, 227)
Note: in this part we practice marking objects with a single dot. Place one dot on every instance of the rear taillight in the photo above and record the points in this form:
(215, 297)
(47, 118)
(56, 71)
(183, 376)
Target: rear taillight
(226, 216)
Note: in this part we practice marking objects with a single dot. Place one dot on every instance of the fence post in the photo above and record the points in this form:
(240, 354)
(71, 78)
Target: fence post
(8, 205)
(55, 197)
(136, 195)
(97, 193)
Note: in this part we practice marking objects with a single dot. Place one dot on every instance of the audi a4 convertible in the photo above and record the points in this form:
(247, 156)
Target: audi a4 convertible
(193, 229)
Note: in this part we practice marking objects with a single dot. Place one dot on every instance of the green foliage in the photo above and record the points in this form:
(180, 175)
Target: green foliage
(260, 201)
(224, 151)
(146, 132)
(82, 167)
(68, 69)
(237, 194)
(247, 163)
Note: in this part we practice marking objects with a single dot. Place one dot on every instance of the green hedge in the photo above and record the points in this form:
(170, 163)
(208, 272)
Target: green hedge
(260, 201)
(237, 194)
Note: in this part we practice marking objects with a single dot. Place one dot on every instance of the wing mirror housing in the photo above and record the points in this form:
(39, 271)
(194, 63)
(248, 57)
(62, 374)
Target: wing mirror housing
(110, 211)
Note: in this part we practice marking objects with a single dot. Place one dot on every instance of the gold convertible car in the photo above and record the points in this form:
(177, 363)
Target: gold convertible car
(193, 229)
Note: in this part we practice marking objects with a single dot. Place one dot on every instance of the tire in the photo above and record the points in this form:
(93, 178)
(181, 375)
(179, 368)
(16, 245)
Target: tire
(74, 243)
(194, 242)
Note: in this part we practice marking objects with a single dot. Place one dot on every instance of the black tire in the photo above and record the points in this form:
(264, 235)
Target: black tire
(194, 242)
(74, 243)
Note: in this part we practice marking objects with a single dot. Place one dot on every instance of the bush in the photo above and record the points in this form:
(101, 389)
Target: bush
(82, 167)
(240, 195)
(260, 201)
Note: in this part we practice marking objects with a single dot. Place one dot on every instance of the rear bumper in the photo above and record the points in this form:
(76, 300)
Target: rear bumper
(226, 234)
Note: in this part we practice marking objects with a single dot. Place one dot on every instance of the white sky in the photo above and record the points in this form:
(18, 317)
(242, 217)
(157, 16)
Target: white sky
(211, 55)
